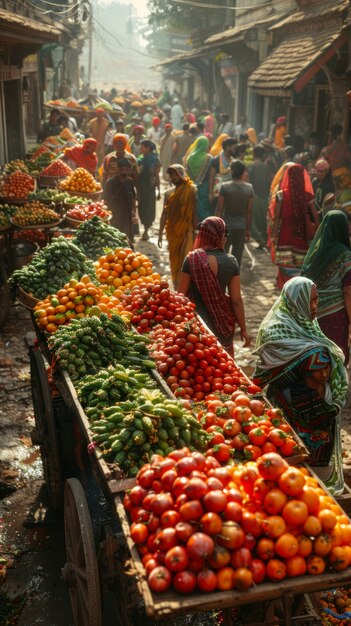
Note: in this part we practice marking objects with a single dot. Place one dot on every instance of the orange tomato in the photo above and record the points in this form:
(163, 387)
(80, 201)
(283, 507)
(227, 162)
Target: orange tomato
(312, 526)
(292, 481)
(296, 566)
(328, 519)
(305, 545)
(311, 499)
(273, 526)
(336, 535)
(322, 545)
(265, 548)
(242, 578)
(51, 328)
(295, 513)
(345, 533)
(274, 501)
(315, 565)
(276, 570)
(225, 578)
(286, 545)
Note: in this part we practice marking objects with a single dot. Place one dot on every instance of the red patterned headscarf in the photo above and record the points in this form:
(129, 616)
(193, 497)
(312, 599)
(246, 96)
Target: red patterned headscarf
(212, 233)
(297, 194)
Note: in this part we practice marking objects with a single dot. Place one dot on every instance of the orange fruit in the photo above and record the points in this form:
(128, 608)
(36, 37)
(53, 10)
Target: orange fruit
(312, 526)
(328, 519)
(295, 513)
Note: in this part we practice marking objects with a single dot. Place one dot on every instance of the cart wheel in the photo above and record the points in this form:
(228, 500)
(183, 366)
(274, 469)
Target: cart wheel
(81, 572)
(45, 433)
(4, 294)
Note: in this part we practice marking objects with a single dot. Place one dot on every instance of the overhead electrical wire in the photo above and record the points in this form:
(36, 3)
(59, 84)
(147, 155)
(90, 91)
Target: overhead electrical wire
(204, 5)
(40, 11)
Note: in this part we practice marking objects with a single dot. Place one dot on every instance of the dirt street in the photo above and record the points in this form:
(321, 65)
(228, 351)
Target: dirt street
(31, 536)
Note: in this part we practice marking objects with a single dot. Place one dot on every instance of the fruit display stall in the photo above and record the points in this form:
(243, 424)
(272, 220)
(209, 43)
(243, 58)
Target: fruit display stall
(208, 509)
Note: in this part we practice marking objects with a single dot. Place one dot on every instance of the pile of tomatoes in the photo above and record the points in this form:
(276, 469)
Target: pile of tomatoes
(152, 304)
(201, 526)
(18, 185)
(84, 212)
(192, 362)
(57, 168)
(244, 424)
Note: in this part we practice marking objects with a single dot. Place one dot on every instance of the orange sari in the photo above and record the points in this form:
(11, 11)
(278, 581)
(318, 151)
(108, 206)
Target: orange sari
(180, 205)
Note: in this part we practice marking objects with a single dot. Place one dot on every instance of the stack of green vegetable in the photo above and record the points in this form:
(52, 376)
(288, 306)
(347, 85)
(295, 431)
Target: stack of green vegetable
(111, 385)
(94, 236)
(6, 212)
(48, 195)
(51, 268)
(86, 345)
(148, 424)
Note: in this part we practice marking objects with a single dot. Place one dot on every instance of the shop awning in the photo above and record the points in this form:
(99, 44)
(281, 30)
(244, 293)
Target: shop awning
(17, 29)
(296, 60)
(237, 33)
(185, 56)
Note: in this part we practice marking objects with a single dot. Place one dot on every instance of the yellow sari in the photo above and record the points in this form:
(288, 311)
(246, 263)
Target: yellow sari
(180, 205)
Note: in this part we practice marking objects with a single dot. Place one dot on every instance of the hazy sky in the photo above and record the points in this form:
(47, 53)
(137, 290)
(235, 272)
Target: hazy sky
(140, 5)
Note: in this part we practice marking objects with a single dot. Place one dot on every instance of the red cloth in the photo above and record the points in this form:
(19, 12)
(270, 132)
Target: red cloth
(79, 155)
(211, 237)
(297, 194)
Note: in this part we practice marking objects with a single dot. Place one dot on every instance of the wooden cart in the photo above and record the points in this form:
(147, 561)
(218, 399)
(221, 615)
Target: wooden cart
(97, 565)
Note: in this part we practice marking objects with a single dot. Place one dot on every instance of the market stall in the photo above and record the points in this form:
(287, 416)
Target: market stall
(131, 390)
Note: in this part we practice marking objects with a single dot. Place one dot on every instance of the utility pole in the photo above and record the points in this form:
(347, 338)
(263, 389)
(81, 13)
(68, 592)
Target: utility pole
(90, 58)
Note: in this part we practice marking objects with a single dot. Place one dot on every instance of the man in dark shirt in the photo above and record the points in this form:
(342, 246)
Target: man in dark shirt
(259, 176)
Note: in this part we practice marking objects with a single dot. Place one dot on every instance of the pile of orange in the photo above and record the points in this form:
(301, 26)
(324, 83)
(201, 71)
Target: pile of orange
(123, 268)
(80, 181)
(75, 300)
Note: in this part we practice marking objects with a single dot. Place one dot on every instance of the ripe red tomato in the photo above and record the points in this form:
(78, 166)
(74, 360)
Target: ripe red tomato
(211, 523)
(160, 579)
(195, 489)
(161, 502)
(232, 535)
(258, 570)
(215, 501)
(139, 533)
(170, 519)
(176, 559)
(207, 580)
(191, 511)
(166, 539)
(241, 557)
(185, 581)
(184, 530)
(200, 546)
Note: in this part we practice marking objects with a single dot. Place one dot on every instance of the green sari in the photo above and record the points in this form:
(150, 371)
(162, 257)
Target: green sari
(286, 338)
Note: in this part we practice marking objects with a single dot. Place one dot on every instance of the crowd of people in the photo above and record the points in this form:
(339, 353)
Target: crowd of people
(225, 184)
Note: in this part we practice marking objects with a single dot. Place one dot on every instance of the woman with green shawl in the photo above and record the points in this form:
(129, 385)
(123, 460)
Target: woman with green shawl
(328, 264)
(305, 375)
(197, 165)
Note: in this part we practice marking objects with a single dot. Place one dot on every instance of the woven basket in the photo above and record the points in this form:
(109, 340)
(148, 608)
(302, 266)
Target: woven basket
(36, 226)
(96, 195)
(26, 299)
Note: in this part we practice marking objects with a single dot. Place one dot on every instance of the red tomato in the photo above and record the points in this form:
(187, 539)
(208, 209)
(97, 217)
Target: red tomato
(159, 579)
(196, 488)
(215, 501)
(166, 539)
(191, 511)
(185, 581)
(207, 581)
(176, 559)
(232, 535)
(170, 519)
(211, 523)
(258, 570)
(258, 436)
(139, 533)
(161, 503)
(184, 530)
(241, 557)
(200, 546)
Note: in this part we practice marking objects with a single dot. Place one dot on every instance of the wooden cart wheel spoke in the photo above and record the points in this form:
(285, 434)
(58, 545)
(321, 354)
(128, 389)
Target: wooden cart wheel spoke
(46, 434)
(81, 569)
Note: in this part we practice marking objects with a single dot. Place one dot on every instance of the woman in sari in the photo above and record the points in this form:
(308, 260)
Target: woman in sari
(148, 182)
(207, 272)
(197, 165)
(305, 375)
(82, 156)
(289, 239)
(328, 264)
(217, 146)
(179, 217)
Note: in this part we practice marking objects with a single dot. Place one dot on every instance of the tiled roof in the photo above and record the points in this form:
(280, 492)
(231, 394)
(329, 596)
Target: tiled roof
(25, 23)
(291, 58)
(238, 32)
(314, 10)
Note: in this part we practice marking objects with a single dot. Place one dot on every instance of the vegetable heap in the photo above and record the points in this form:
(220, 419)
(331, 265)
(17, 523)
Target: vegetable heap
(124, 267)
(86, 345)
(51, 268)
(146, 423)
(199, 526)
(94, 236)
(57, 168)
(17, 185)
(49, 195)
(35, 213)
(87, 211)
(153, 304)
(82, 181)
